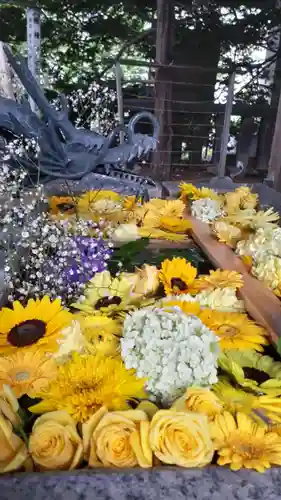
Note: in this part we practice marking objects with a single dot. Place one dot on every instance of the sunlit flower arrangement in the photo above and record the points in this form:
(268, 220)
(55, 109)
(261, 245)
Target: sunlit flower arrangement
(130, 368)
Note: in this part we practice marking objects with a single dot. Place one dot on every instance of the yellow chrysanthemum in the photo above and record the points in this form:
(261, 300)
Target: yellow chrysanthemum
(62, 205)
(263, 409)
(189, 308)
(235, 330)
(26, 372)
(172, 208)
(104, 294)
(253, 370)
(199, 400)
(86, 383)
(175, 224)
(102, 334)
(226, 233)
(188, 192)
(177, 275)
(38, 324)
(219, 279)
(242, 443)
(253, 220)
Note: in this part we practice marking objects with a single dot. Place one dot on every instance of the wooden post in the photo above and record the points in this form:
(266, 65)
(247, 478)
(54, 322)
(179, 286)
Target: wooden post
(226, 127)
(163, 90)
(120, 106)
(274, 166)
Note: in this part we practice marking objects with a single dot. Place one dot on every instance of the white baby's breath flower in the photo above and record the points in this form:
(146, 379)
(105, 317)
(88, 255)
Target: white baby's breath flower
(172, 350)
(206, 209)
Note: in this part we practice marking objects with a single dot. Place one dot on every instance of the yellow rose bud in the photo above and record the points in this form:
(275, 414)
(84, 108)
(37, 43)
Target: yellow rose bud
(117, 439)
(13, 451)
(54, 443)
(199, 400)
(181, 438)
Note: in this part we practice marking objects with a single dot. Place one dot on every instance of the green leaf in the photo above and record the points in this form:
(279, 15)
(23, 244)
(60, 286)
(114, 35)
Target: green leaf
(278, 346)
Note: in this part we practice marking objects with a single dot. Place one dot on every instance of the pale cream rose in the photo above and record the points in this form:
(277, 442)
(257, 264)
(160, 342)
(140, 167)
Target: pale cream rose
(117, 439)
(54, 443)
(181, 438)
(125, 233)
(199, 400)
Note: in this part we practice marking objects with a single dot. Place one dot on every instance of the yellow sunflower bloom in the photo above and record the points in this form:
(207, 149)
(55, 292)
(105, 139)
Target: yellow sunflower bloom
(39, 325)
(86, 383)
(235, 330)
(177, 276)
(219, 279)
(26, 372)
(253, 370)
(104, 294)
(102, 334)
(242, 443)
(62, 205)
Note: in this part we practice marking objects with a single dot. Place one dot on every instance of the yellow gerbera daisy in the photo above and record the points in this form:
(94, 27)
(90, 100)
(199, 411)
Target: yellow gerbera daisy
(235, 330)
(177, 275)
(253, 370)
(62, 205)
(26, 372)
(174, 224)
(189, 308)
(86, 383)
(102, 334)
(104, 294)
(240, 442)
(263, 409)
(219, 279)
(38, 324)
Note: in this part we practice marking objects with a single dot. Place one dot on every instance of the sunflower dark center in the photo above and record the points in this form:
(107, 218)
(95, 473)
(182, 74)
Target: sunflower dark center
(258, 375)
(27, 333)
(65, 207)
(108, 301)
(178, 284)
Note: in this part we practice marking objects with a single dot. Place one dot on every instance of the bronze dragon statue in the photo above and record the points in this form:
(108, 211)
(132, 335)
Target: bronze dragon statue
(83, 158)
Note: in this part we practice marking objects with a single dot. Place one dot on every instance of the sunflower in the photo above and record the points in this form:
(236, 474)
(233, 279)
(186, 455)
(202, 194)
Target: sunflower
(26, 372)
(189, 308)
(104, 294)
(102, 334)
(235, 330)
(253, 370)
(38, 324)
(86, 383)
(219, 279)
(263, 409)
(242, 443)
(174, 224)
(177, 275)
(62, 205)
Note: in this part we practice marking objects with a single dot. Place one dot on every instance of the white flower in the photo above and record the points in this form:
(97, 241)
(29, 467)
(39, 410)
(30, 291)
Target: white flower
(221, 299)
(268, 270)
(264, 242)
(125, 233)
(206, 209)
(172, 350)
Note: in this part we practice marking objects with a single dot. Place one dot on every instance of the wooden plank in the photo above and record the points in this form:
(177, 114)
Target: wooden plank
(261, 304)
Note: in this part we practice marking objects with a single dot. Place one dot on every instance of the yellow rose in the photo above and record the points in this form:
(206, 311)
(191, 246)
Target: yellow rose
(200, 400)
(13, 451)
(181, 438)
(54, 443)
(117, 439)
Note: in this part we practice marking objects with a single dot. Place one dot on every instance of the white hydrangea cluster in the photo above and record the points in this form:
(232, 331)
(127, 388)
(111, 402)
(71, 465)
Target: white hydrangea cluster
(172, 350)
(206, 209)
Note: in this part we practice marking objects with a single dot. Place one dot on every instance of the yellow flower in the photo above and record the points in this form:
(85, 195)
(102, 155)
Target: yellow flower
(102, 334)
(86, 201)
(242, 443)
(130, 203)
(26, 372)
(221, 299)
(188, 192)
(177, 275)
(38, 325)
(219, 279)
(181, 438)
(189, 308)
(173, 209)
(264, 409)
(104, 294)
(226, 233)
(159, 234)
(125, 233)
(72, 340)
(199, 400)
(253, 370)
(205, 192)
(174, 224)
(235, 331)
(62, 205)
(54, 443)
(252, 219)
(117, 439)
(13, 451)
(86, 383)
(145, 281)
